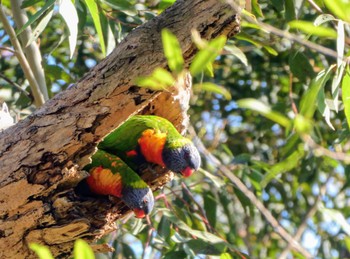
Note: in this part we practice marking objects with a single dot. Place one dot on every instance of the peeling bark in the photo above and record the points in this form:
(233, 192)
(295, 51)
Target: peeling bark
(41, 156)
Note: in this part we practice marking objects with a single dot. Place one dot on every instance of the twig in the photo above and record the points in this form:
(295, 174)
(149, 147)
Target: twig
(17, 87)
(38, 97)
(294, 107)
(314, 5)
(32, 51)
(7, 49)
(287, 35)
(321, 151)
(250, 195)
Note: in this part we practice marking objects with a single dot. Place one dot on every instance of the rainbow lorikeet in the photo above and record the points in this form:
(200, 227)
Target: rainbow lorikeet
(152, 139)
(109, 175)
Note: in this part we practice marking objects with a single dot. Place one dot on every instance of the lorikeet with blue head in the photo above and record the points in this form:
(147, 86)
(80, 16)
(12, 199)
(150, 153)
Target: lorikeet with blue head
(109, 175)
(151, 139)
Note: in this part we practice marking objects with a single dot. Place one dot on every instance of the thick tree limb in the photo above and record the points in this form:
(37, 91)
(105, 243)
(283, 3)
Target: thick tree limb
(40, 156)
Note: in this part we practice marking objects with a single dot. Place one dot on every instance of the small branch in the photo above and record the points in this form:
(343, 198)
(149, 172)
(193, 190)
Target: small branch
(321, 151)
(315, 6)
(294, 107)
(32, 51)
(7, 49)
(258, 204)
(287, 35)
(17, 87)
(38, 97)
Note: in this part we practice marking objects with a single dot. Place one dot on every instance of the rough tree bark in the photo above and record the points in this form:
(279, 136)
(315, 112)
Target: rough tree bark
(40, 157)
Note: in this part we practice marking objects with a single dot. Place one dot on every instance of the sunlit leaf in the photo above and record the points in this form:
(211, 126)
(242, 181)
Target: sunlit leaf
(93, 9)
(41, 26)
(256, 9)
(264, 110)
(346, 94)
(237, 52)
(339, 8)
(82, 250)
(225, 256)
(323, 18)
(324, 108)
(42, 252)
(70, 16)
(308, 101)
(160, 79)
(165, 4)
(248, 38)
(310, 28)
(207, 55)
(336, 83)
(37, 15)
(213, 88)
(172, 51)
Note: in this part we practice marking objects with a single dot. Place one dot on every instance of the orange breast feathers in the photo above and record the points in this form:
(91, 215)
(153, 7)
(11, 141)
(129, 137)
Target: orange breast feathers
(102, 181)
(151, 144)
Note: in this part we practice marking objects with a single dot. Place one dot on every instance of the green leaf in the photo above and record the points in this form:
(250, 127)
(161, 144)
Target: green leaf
(310, 28)
(238, 53)
(286, 165)
(307, 107)
(160, 79)
(70, 16)
(172, 51)
(256, 9)
(264, 110)
(207, 55)
(218, 182)
(198, 246)
(210, 207)
(41, 26)
(225, 256)
(290, 10)
(278, 4)
(248, 38)
(300, 66)
(323, 18)
(28, 3)
(205, 236)
(93, 9)
(346, 94)
(339, 8)
(37, 15)
(43, 252)
(82, 250)
(213, 88)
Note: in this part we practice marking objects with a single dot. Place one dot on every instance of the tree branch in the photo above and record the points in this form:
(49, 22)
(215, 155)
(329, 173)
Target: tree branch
(38, 97)
(32, 51)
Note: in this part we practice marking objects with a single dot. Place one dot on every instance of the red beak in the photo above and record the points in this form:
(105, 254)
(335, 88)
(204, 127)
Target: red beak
(139, 213)
(187, 172)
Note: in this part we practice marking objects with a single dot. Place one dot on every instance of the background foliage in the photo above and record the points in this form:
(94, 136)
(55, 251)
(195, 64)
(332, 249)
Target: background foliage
(283, 133)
